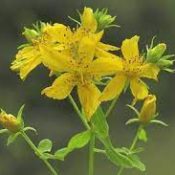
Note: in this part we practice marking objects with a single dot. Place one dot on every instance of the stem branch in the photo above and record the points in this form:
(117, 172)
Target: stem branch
(134, 142)
(79, 112)
(108, 112)
(91, 154)
(35, 149)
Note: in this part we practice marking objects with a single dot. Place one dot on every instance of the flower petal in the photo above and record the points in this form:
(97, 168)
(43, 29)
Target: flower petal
(139, 89)
(86, 50)
(89, 97)
(58, 33)
(105, 66)
(107, 47)
(61, 87)
(114, 88)
(130, 48)
(56, 61)
(88, 20)
(150, 71)
(26, 60)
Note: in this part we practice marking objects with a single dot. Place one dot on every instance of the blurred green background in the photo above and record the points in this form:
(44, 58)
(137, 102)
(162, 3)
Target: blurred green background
(56, 119)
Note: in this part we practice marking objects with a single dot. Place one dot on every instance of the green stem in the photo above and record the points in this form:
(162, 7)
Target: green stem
(35, 149)
(91, 154)
(79, 112)
(108, 112)
(134, 142)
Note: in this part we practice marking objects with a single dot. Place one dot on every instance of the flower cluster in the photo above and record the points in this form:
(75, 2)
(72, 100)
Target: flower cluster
(81, 60)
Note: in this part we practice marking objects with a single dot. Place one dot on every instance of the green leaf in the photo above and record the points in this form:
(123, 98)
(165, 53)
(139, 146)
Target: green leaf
(136, 162)
(29, 128)
(48, 156)
(74, 20)
(134, 109)
(20, 116)
(2, 131)
(132, 120)
(79, 140)
(125, 158)
(142, 135)
(100, 124)
(158, 122)
(62, 153)
(12, 138)
(118, 159)
(76, 142)
(45, 145)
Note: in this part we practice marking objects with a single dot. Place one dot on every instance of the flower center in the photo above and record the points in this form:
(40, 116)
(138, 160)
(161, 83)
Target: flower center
(132, 67)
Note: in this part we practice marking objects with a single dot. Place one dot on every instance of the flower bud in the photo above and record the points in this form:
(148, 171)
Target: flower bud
(30, 34)
(10, 122)
(156, 53)
(148, 109)
(104, 20)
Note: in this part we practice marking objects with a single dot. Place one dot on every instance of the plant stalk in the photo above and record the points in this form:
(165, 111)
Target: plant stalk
(35, 149)
(134, 142)
(75, 106)
(111, 107)
(91, 154)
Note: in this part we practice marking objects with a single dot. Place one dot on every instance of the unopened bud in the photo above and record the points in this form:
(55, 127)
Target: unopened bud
(30, 34)
(148, 109)
(156, 53)
(104, 20)
(10, 122)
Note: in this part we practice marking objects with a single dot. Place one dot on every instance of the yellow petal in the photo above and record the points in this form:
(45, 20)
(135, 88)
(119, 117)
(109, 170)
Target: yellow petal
(88, 20)
(150, 71)
(148, 109)
(26, 60)
(56, 61)
(102, 50)
(58, 33)
(139, 89)
(105, 66)
(89, 97)
(114, 88)
(86, 50)
(130, 48)
(61, 87)
(107, 47)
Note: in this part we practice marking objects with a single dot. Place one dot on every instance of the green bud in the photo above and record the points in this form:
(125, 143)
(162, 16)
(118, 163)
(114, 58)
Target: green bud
(30, 34)
(155, 53)
(104, 20)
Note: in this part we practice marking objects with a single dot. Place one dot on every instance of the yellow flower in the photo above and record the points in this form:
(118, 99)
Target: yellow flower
(10, 122)
(30, 56)
(58, 37)
(80, 69)
(134, 67)
(148, 109)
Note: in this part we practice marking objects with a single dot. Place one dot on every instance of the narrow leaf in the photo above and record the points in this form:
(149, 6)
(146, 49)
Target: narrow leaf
(12, 138)
(2, 131)
(134, 109)
(132, 120)
(159, 122)
(28, 128)
(100, 124)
